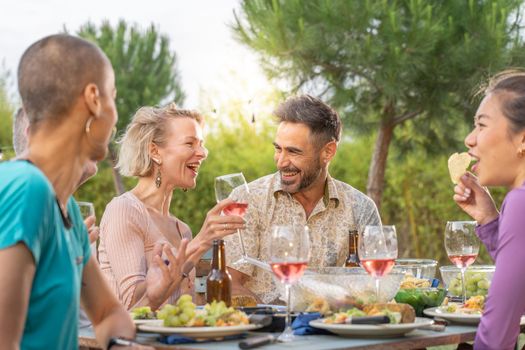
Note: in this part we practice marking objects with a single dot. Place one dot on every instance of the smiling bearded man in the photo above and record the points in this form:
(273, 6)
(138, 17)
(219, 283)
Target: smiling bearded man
(301, 193)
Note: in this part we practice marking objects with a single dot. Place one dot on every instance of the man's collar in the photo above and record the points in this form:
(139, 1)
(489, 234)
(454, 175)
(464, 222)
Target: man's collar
(330, 190)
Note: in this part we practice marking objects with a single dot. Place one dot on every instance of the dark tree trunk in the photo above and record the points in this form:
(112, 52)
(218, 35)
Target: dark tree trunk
(376, 172)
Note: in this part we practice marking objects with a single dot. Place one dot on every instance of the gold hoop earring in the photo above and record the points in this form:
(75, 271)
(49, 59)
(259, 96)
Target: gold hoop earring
(88, 125)
(158, 178)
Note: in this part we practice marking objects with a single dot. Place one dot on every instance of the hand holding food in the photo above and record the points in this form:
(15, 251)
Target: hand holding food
(457, 165)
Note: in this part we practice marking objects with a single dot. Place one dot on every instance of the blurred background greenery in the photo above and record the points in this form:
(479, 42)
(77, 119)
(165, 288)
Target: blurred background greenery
(401, 74)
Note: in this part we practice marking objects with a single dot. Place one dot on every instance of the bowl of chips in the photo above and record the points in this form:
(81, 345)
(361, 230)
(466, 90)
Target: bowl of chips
(477, 279)
(419, 268)
(330, 289)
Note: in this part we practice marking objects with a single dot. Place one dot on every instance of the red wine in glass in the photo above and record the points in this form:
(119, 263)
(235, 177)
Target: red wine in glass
(378, 267)
(289, 253)
(237, 209)
(463, 260)
(462, 246)
(289, 272)
(378, 251)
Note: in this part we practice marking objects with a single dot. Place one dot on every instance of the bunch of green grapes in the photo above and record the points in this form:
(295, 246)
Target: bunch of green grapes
(476, 283)
(178, 315)
(142, 313)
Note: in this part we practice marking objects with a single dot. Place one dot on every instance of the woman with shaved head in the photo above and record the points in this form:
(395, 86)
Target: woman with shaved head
(67, 87)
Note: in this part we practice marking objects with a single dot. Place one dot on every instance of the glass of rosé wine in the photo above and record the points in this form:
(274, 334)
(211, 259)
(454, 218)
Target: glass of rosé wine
(289, 254)
(378, 251)
(462, 246)
(224, 186)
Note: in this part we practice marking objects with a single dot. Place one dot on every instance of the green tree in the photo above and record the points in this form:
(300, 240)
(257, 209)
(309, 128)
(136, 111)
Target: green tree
(407, 65)
(145, 70)
(6, 122)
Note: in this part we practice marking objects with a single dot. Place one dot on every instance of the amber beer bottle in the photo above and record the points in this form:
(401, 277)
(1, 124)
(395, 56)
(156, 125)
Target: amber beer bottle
(219, 281)
(352, 260)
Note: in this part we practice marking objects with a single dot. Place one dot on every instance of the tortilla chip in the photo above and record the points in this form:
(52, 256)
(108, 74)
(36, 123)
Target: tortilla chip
(457, 165)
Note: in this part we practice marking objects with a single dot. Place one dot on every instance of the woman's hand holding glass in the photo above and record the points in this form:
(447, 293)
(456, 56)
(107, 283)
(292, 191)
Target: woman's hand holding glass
(217, 226)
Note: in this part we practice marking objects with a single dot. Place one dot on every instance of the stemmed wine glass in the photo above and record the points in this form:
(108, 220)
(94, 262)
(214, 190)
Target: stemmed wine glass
(224, 186)
(289, 254)
(462, 246)
(378, 251)
(87, 209)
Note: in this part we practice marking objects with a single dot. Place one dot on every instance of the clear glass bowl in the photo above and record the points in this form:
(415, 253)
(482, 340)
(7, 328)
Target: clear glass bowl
(420, 268)
(342, 288)
(477, 279)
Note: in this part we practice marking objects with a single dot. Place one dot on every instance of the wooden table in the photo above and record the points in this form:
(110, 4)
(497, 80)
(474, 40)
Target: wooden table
(417, 339)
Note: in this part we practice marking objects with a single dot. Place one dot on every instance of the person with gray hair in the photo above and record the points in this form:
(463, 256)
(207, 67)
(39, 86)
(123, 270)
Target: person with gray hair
(45, 261)
(20, 141)
(20, 130)
(301, 192)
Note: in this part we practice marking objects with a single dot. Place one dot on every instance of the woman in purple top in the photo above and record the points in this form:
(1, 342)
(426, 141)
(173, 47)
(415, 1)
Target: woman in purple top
(497, 144)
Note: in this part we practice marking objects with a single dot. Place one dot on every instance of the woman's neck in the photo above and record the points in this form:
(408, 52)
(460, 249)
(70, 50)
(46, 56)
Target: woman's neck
(153, 197)
(55, 150)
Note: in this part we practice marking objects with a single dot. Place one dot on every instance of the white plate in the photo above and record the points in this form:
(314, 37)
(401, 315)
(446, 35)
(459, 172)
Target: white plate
(199, 332)
(380, 330)
(453, 316)
(458, 317)
(154, 322)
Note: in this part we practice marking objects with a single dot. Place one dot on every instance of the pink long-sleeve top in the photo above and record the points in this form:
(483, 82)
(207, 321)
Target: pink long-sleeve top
(128, 233)
(505, 240)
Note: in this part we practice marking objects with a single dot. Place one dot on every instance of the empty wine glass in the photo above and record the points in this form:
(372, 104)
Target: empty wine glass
(462, 247)
(378, 251)
(87, 209)
(289, 254)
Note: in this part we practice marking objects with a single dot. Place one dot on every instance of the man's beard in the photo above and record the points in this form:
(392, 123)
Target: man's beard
(311, 174)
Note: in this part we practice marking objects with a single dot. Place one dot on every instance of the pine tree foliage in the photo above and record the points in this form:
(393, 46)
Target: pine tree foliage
(407, 65)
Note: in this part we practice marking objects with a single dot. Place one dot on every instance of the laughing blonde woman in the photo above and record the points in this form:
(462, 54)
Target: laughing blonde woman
(164, 148)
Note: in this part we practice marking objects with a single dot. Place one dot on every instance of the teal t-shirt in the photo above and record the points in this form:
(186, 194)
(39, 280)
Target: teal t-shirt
(30, 214)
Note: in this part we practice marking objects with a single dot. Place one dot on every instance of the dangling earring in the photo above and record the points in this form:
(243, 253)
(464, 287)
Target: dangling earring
(158, 178)
(184, 190)
(88, 125)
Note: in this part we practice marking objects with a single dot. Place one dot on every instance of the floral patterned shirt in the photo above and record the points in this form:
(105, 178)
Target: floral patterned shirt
(342, 208)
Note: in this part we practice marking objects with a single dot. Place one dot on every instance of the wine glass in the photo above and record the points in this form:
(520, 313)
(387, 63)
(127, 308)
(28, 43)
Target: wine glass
(462, 247)
(289, 254)
(378, 251)
(87, 209)
(224, 186)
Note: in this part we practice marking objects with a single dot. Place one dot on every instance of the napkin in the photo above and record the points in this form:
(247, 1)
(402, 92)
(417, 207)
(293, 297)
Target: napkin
(178, 339)
(301, 325)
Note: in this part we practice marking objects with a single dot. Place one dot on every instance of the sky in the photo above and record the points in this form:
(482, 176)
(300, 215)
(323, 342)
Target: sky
(208, 55)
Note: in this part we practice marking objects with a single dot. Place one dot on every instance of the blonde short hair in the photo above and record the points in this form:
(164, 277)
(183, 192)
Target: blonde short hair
(149, 125)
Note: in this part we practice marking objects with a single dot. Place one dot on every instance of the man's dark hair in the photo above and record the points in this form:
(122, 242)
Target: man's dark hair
(322, 120)
(53, 73)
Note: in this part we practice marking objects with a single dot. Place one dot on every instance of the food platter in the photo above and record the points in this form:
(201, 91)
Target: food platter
(458, 317)
(380, 330)
(199, 332)
(453, 316)
(148, 322)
